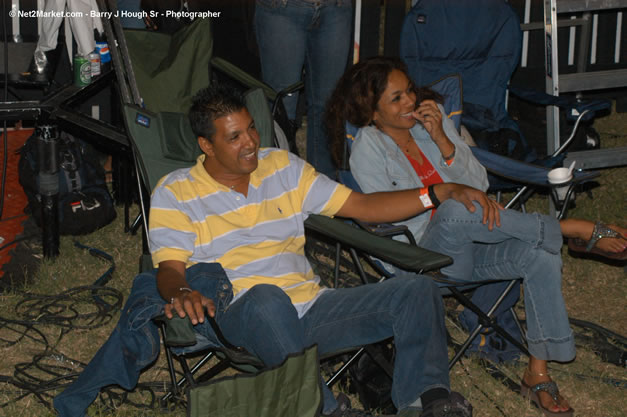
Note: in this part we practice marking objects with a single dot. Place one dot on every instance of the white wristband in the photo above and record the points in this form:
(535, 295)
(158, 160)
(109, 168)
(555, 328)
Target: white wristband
(425, 199)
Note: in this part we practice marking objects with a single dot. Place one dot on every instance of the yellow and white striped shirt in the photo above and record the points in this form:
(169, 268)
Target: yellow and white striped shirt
(258, 239)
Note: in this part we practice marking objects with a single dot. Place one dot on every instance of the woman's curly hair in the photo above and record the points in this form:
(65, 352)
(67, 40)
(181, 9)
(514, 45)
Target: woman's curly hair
(356, 95)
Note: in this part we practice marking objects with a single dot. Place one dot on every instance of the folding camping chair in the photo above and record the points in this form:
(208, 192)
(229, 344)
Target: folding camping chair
(162, 141)
(485, 62)
(529, 178)
(149, 69)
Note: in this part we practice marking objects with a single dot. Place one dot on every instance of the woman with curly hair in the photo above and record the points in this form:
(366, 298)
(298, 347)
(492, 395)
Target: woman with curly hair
(404, 142)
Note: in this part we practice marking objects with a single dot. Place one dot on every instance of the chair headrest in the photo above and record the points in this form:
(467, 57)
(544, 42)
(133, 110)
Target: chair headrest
(450, 87)
(178, 141)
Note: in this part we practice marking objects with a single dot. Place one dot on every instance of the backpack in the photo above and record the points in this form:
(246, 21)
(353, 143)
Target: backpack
(85, 203)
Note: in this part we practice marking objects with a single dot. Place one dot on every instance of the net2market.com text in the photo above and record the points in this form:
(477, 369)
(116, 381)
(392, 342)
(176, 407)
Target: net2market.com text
(176, 14)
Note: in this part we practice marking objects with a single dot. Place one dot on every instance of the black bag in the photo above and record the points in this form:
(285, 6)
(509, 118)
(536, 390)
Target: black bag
(85, 203)
(368, 380)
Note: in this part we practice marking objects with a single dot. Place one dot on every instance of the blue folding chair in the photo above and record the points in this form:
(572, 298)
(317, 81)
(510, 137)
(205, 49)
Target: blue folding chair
(434, 44)
(506, 172)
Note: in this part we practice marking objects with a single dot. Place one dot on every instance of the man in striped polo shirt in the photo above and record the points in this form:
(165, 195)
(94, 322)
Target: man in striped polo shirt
(245, 207)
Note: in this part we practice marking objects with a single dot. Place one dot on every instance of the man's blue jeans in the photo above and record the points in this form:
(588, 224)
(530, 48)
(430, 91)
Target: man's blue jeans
(265, 322)
(525, 246)
(135, 342)
(316, 34)
(409, 309)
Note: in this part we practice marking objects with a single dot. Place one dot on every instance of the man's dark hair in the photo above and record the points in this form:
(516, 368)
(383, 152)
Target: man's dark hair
(211, 103)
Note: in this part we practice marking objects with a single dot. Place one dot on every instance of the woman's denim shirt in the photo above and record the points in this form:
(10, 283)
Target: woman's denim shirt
(378, 164)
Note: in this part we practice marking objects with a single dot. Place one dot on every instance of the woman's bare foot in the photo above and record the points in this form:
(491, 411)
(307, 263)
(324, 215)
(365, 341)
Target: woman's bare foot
(582, 229)
(531, 378)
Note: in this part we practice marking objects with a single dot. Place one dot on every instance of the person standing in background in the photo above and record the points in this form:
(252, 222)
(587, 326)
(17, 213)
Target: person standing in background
(315, 34)
(82, 24)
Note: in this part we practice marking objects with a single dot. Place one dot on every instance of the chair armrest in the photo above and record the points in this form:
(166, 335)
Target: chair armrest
(178, 332)
(387, 230)
(403, 255)
(522, 172)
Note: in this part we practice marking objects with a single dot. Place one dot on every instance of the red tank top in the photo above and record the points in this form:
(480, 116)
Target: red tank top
(426, 172)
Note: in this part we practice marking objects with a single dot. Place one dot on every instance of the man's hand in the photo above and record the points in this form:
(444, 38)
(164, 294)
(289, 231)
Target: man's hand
(182, 300)
(466, 195)
(192, 304)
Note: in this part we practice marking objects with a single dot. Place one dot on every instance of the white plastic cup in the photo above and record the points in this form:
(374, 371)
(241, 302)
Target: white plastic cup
(560, 176)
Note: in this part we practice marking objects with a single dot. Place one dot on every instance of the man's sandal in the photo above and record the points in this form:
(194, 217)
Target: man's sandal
(549, 387)
(599, 232)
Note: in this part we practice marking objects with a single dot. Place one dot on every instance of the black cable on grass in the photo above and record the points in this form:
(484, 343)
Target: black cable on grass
(112, 397)
(51, 371)
(84, 307)
(18, 239)
(64, 310)
(618, 383)
(17, 216)
(22, 329)
(601, 330)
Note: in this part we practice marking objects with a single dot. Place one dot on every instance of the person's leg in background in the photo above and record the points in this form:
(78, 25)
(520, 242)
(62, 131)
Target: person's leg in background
(294, 33)
(83, 27)
(48, 35)
(328, 46)
(131, 22)
(281, 37)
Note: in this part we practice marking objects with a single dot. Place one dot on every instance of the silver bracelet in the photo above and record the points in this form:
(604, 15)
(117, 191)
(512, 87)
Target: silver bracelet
(451, 156)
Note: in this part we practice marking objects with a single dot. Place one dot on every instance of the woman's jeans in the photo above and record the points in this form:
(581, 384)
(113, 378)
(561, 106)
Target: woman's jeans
(525, 246)
(265, 322)
(316, 34)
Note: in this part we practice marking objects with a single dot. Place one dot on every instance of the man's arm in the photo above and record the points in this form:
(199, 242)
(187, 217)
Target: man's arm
(174, 288)
(399, 205)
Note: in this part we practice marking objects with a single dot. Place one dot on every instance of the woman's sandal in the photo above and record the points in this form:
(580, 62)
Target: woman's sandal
(599, 232)
(549, 387)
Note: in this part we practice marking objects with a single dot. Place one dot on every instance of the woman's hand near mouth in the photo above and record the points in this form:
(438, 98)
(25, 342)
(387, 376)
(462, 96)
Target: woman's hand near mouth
(428, 113)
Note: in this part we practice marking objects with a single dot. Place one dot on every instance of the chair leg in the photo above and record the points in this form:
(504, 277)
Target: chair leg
(485, 320)
(336, 270)
(188, 376)
(518, 324)
(168, 355)
(344, 367)
(136, 224)
(360, 268)
(187, 373)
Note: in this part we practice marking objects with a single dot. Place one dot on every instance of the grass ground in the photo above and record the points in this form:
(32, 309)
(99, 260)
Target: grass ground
(48, 332)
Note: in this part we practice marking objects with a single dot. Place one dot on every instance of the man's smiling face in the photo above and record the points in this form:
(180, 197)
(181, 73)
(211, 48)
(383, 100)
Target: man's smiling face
(233, 150)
